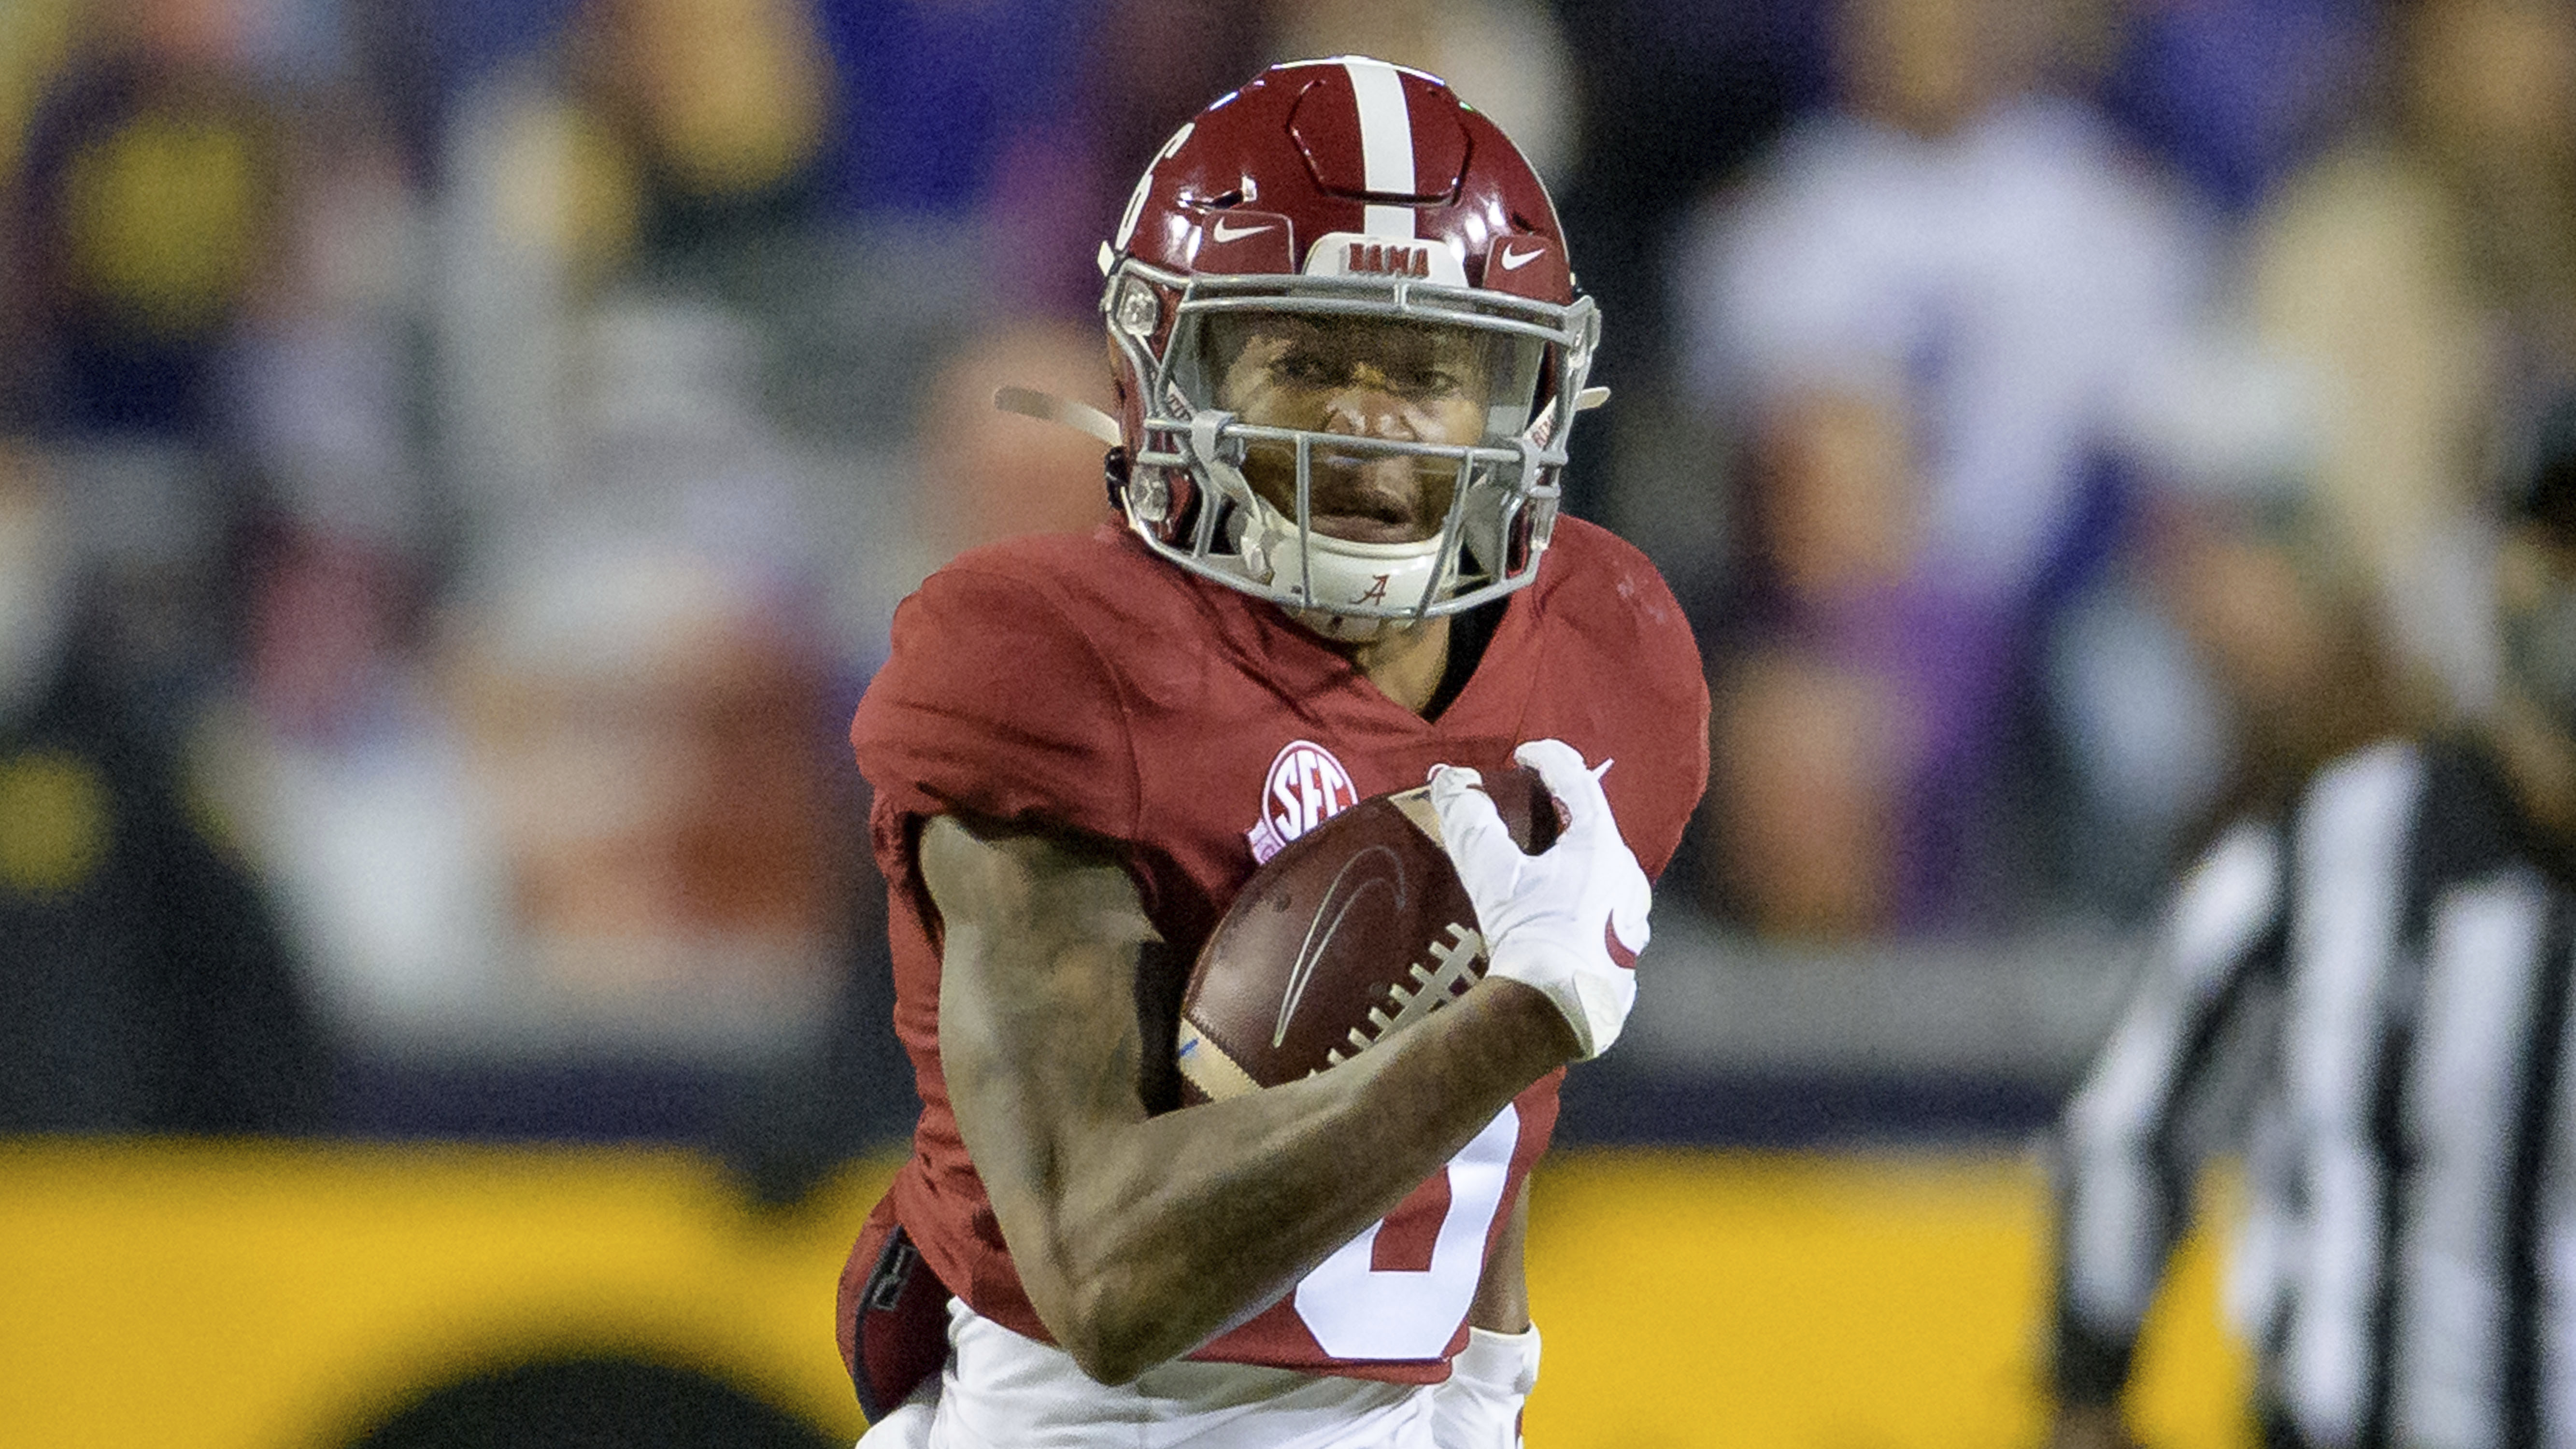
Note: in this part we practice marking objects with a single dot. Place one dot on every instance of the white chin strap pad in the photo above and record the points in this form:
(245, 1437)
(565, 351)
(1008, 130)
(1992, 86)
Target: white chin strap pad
(1381, 575)
(1282, 559)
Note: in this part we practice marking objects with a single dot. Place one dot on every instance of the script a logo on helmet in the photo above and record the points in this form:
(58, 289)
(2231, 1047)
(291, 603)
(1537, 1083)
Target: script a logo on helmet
(1305, 787)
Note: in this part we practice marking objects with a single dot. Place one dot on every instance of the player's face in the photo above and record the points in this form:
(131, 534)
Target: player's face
(1409, 381)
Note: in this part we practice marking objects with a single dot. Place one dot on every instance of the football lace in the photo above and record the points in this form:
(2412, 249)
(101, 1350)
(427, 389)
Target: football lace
(1451, 972)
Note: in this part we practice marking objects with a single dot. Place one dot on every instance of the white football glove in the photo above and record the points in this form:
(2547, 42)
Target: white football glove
(1568, 921)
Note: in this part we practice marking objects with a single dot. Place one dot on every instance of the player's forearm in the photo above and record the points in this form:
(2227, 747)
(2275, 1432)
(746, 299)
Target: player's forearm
(1185, 1223)
(1138, 1238)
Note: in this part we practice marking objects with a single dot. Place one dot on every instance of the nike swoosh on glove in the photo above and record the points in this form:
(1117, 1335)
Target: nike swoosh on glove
(1568, 921)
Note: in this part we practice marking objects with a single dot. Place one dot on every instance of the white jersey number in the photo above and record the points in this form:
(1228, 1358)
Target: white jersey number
(1355, 1310)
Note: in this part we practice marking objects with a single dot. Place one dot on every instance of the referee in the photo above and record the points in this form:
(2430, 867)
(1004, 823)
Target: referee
(2397, 942)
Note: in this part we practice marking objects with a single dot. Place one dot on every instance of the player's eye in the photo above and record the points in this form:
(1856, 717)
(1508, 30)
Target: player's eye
(1306, 369)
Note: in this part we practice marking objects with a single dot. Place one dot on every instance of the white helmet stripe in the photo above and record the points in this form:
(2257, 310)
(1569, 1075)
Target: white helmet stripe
(1386, 141)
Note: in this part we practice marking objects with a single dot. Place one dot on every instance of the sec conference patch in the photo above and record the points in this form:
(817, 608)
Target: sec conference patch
(53, 822)
(1304, 788)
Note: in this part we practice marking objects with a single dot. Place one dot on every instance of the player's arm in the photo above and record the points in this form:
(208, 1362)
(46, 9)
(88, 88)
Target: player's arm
(1137, 1237)
(2120, 1184)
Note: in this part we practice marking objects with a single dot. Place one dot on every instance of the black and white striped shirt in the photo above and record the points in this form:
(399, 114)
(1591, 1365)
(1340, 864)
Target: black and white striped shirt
(2408, 1265)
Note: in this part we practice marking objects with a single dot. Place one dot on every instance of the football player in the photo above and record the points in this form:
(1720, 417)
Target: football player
(1348, 349)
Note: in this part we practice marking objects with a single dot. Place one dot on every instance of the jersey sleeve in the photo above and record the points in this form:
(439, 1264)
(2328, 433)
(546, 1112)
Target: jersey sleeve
(2122, 1175)
(1671, 689)
(994, 702)
(1633, 689)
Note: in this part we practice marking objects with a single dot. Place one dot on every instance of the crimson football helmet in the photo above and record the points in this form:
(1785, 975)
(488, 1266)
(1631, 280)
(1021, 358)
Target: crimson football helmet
(1364, 203)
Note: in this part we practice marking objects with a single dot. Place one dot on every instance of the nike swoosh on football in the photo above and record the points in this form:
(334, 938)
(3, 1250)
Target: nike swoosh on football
(1224, 233)
(1319, 934)
(1514, 261)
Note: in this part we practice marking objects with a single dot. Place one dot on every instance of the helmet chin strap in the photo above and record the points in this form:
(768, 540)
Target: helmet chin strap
(1046, 407)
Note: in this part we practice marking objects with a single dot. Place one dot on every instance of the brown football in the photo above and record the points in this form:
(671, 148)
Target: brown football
(1355, 929)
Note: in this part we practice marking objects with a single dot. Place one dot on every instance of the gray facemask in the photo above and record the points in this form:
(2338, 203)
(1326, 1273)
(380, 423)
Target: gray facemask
(2540, 654)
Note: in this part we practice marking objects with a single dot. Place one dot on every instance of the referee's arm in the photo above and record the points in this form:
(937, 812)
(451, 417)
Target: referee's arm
(2122, 1181)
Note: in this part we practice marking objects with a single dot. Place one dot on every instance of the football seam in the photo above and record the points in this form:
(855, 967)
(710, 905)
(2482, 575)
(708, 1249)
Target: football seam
(1208, 1066)
(1435, 986)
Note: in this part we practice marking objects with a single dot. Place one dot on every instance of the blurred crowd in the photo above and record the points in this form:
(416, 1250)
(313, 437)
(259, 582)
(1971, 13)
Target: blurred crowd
(2114, 397)
(458, 460)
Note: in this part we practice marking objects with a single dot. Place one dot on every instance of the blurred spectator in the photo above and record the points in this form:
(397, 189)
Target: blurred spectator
(2237, 94)
(588, 792)
(34, 36)
(599, 800)
(719, 112)
(1927, 312)
(1674, 97)
(1508, 58)
(2289, 632)
(1805, 751)
(642, 735)
(1815, 726)
(1003, 138)
(144, 984)
(149, 206)
(2233, 583)
(673, 150)
(319, 407)
(2425, 275)
(317, 396)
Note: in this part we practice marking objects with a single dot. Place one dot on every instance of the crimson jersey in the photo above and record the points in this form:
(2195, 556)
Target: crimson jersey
(1081, 683)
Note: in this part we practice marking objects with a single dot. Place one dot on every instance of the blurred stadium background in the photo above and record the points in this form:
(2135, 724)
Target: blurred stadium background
(458, 459)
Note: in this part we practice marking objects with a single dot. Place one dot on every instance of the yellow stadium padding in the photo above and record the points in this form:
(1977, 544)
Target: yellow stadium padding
(232, 1295)
(221, 1295)
(1772, 1301)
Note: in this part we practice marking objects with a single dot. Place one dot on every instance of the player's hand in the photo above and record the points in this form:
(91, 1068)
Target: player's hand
(1568, 921)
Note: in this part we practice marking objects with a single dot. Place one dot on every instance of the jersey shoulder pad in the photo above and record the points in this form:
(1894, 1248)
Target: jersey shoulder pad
(1003, 695)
